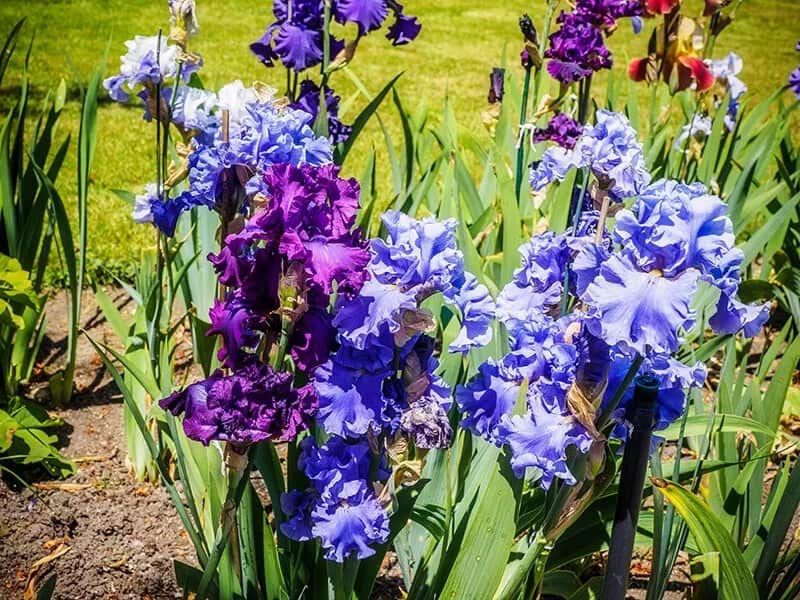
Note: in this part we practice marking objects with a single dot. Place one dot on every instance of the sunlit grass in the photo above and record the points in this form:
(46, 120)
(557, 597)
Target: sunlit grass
(460, 42)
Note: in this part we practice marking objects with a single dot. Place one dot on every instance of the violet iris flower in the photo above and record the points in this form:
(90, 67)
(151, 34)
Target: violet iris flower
(340, 507)
(251, 404)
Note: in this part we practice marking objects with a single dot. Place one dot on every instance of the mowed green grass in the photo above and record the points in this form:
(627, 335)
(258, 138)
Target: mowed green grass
(461, 41)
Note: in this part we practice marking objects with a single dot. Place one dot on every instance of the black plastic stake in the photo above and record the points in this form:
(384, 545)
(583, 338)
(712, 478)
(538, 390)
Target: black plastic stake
(641, 415)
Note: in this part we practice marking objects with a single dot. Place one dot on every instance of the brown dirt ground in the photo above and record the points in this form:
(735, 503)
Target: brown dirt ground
(107, 535)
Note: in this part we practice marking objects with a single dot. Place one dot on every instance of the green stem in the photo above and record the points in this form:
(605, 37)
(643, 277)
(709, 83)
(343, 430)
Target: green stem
(575, 222)
(605, 416)
(237, 482)
(523, 117)
(584, 95)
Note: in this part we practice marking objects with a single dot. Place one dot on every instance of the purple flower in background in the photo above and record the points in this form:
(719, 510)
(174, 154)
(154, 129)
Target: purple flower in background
(577, 49)
(794, 82)
(251, 404)
(367, 14)
(562, 129)
(794, 77)
(309, 101)
(604, 13)
(296, 36)
(496, 85)
(404, 30)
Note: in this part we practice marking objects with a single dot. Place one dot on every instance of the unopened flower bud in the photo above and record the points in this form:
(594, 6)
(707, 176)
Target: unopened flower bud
(528, 30)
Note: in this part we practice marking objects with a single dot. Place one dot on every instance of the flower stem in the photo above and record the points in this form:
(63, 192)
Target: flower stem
(605, 416)
(601, 221)
(576, 211)
(523, 116)
(238, 478)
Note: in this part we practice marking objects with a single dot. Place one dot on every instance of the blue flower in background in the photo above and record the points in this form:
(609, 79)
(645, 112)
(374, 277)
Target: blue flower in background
(231, 171)
(150, 61)
(726, 72)
(537, 285)
(609, 147)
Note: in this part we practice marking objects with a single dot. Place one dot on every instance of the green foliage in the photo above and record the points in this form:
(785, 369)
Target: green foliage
(24, 439)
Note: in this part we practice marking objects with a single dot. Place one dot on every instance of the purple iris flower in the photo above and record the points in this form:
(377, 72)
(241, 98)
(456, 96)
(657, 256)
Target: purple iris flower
(309, 101)
(251, 404)
(576, 50)
(369, 15)
(238, 326)
(404, 30)
(562, 129)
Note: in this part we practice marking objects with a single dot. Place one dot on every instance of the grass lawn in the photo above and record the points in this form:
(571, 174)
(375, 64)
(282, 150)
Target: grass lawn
(460, 42)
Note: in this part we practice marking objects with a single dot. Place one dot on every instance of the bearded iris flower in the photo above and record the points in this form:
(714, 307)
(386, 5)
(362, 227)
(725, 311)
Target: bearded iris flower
(678, 62)
(608, 148)
(340, 507)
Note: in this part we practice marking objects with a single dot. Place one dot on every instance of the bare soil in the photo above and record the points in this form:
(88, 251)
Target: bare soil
(101, 533)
